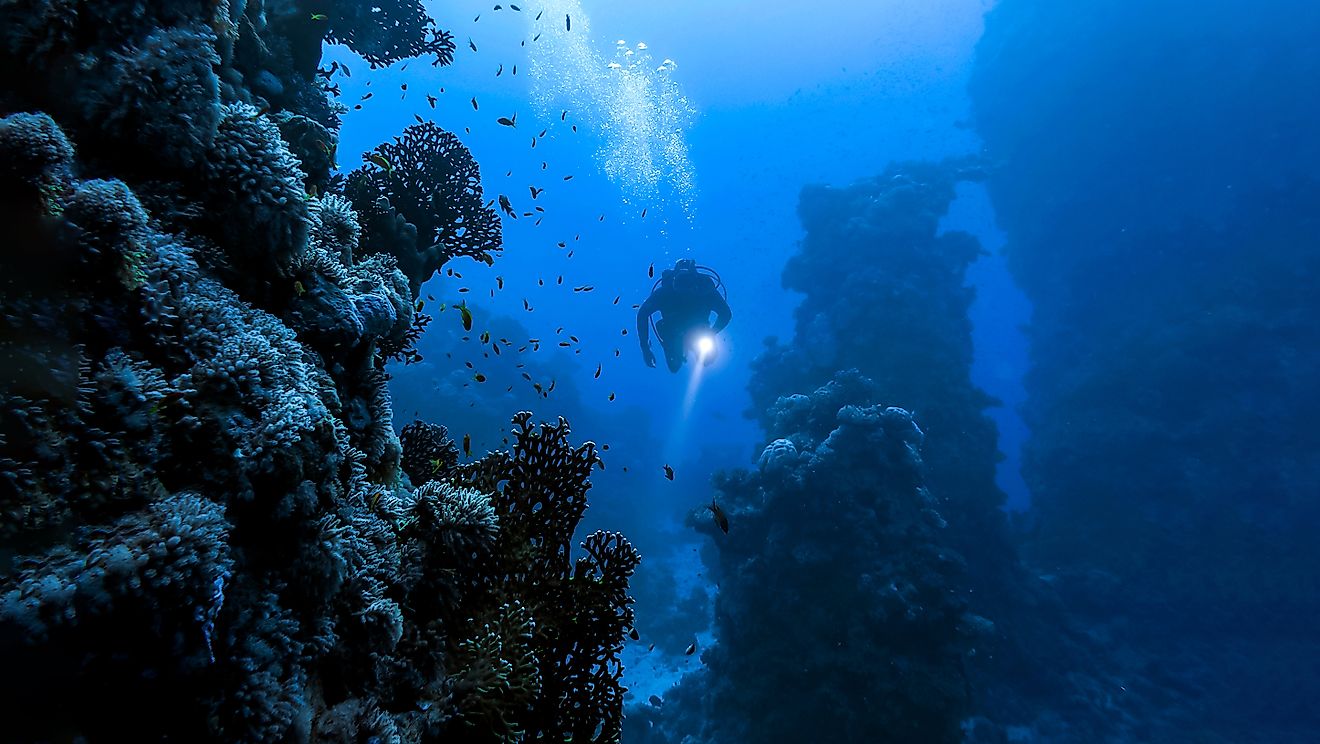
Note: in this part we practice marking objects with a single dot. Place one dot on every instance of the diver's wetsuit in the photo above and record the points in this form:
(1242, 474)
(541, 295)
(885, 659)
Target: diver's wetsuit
(685, 300)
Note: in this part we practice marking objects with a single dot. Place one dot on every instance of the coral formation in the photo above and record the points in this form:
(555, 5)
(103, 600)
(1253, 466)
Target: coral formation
(846, 535)
(212, 531)
(425, 206)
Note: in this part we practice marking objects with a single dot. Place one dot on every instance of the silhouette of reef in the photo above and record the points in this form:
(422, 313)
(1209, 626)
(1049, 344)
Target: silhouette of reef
(841, 612)
(1156, 179)
(979, 645)
(210, 530)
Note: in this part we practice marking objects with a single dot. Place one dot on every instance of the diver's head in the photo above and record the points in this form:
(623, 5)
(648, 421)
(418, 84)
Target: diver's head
(684, 265)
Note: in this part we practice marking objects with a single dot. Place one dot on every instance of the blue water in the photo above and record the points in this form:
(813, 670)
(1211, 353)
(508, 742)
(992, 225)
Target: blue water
(1011, 438)
(763, 100)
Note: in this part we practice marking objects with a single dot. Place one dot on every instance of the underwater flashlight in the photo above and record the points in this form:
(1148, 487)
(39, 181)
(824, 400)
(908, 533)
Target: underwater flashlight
(705, 345)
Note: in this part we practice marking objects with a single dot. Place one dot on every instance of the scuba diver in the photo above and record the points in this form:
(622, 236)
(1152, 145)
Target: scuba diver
(685, 296)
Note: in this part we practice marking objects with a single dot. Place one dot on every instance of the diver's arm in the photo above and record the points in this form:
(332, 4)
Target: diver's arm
(721, 309)
(644, 314)
(644, 328)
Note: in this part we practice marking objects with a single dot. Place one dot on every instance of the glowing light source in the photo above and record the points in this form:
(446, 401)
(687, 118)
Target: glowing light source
(705, 345)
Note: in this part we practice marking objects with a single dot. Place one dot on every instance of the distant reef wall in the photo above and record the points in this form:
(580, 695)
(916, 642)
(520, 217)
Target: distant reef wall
(210, 530)
(869, 589)
(1154, 166)
(841, 613)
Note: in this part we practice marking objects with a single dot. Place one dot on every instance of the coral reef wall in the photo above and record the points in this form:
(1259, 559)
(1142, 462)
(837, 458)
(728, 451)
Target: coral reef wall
(884, 293)
(1154, 169)
(841, 613)
(210, 530)
(871, 560)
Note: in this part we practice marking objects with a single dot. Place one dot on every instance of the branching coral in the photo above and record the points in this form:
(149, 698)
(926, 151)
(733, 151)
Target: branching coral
(35, 158)
(386, 32)
(208, 536)
(249, 171)
(580, 607)
(433, 186)
(428, 452)
(161, 95)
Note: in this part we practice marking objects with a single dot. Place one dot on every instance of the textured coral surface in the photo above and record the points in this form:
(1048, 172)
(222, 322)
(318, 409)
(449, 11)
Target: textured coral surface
(211, 530)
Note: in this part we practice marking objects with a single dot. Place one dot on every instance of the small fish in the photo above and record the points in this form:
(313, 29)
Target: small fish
(474, 20)
(367, 97)
(376, 158)
(538, 16)
(499, 7)
(651, 647)
(568, 178)
(533, 143)
(499, 281)
(418, 118)
(467, 316)
(650, 271)
(508, 121)
(403, 87)
(500, 71)
(655, 700)
(537, 37)
(601, 218)
(507, 207)
(319, 16)
(543, 131)
(431, 99)
(535, 191)
(616, 299)
(515, 8)
(485, 337)
(568, 23)
(597, 375)
(669, 472)
(471, 45)
(479, 377)
(632, 633)
(299, 288)
(467, 445)
(515, 69)
(718, 514)
(612, 400)
(563, 114)
(474, 104)
(643, 213)
(692, 649)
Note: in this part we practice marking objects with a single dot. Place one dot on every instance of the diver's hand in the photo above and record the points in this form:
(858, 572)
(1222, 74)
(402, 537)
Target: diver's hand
(648, 356)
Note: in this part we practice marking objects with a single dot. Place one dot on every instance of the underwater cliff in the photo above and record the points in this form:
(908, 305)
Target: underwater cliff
(211, 530)
(1154, 169)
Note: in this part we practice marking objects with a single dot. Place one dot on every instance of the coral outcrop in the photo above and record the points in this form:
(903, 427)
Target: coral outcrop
(211, 530)
(841, 614)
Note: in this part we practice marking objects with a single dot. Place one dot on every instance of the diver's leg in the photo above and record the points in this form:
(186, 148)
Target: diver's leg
(674, 356)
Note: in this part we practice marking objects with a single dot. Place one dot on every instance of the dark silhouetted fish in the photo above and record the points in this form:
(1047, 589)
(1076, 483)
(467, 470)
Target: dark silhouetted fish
(718, 514)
